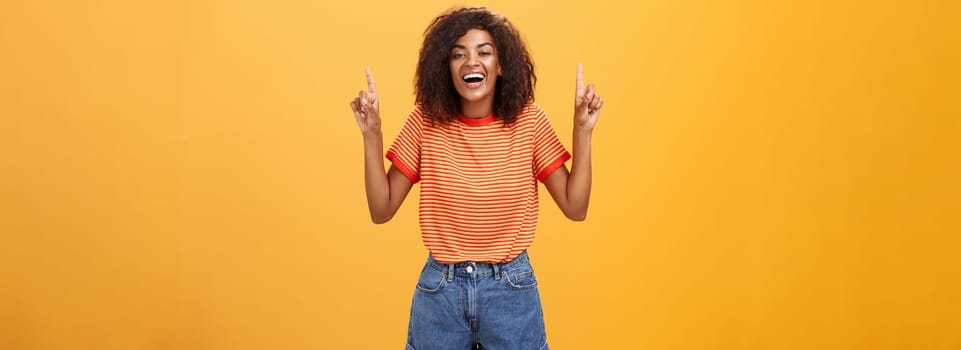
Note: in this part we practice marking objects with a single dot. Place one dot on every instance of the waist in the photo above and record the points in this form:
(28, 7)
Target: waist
(479, 268)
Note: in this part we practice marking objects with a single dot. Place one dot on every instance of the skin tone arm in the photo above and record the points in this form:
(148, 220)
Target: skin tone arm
(385, 191)
(572, 190)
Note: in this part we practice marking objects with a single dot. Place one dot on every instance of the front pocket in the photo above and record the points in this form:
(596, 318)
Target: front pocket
(431, 280)
(524, 279)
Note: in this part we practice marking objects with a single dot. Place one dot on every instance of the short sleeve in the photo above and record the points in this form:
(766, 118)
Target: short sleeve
(404, 153)
(549, 153)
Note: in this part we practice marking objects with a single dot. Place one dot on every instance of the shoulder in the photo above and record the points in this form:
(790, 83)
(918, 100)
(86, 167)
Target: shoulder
(417, 113)
(532, 109)
(531, 112)
(418, 117)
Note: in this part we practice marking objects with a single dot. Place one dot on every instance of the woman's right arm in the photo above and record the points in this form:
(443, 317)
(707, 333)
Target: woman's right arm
(385, 191)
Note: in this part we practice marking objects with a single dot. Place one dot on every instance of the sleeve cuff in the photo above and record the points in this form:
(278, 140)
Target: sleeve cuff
(403, 168)
(553, 166)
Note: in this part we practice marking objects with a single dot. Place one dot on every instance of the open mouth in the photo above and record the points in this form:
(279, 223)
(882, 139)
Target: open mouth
(473, 79)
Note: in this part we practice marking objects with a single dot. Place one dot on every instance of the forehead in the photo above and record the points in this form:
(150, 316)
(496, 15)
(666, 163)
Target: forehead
(475, 37)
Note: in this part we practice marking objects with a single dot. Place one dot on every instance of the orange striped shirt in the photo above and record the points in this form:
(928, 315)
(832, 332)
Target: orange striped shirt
(478, 198)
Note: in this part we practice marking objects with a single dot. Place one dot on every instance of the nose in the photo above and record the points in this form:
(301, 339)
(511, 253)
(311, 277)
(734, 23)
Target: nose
(472, 59)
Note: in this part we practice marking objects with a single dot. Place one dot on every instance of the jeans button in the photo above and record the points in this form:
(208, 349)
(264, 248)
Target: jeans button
(469, 268)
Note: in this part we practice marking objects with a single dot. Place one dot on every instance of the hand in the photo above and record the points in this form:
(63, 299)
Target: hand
(366, 107)
(587, 104)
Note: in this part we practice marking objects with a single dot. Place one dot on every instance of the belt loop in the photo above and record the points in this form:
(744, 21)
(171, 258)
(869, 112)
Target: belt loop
(450, 273)
(497, 271)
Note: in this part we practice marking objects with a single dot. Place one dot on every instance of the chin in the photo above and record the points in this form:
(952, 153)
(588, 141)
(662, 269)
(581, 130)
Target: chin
(474, 98)
(475, 95)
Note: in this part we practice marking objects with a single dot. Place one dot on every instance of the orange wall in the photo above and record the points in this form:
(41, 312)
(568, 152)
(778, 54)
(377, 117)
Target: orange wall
(188, 175)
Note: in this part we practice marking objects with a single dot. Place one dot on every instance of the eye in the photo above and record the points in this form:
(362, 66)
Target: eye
(457, 55)
(485, 53)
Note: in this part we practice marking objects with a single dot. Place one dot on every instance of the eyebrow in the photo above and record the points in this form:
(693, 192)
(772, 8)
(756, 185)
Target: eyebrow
(456, 46)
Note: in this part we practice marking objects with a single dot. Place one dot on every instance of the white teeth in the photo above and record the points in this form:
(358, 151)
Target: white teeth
(474, 75)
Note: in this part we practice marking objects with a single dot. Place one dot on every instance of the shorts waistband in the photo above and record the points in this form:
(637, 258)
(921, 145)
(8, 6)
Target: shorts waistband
(477, 268)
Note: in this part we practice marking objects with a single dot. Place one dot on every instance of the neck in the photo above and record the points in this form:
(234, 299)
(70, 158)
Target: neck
(477, 109)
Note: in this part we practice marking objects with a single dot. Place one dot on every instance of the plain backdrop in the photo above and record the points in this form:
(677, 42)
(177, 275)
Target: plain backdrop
(767, 175)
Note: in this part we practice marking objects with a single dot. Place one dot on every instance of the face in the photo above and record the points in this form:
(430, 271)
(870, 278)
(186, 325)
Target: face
(474, 67)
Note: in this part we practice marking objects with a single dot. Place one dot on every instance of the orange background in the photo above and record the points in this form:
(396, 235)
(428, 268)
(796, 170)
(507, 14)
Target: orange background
(188, 175)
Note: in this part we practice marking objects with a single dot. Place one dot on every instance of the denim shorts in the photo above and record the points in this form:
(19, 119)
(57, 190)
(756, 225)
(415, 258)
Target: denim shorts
(475, 305)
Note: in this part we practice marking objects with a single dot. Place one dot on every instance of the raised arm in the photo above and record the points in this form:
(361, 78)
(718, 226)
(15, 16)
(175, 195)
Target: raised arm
(385, 191)
(572, 190)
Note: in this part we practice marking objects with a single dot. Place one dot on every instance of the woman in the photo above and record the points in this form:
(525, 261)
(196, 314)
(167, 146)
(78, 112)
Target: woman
(477, 144)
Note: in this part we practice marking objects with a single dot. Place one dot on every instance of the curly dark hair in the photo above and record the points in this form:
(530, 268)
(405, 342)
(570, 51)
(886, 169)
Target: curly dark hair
(435, 91)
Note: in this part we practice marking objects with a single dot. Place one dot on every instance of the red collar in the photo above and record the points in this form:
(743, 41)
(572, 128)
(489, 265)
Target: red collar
(476, 121)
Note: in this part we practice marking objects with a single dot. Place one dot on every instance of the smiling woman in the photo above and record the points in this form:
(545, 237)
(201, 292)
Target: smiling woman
(471, 62)
(464, 32)
(478, 145)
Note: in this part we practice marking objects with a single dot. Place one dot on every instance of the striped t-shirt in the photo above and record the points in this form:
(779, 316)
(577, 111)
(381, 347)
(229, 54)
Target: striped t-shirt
(478, 198)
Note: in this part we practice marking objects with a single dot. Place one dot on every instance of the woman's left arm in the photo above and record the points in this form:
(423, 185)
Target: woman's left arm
(572, 190)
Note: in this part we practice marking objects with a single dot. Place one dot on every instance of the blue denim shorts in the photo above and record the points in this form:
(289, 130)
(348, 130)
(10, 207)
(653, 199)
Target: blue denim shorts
(476, 305)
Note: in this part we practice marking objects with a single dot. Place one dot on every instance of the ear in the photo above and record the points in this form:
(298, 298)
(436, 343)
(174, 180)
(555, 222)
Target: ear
(500, 71)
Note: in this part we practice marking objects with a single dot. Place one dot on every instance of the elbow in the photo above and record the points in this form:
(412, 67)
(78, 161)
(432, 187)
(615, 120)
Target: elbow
(380, 219)
(577, 216)
(381, 215)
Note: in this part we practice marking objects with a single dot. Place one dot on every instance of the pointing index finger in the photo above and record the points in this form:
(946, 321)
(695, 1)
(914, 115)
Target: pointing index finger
(370, 80)
(580, 78)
